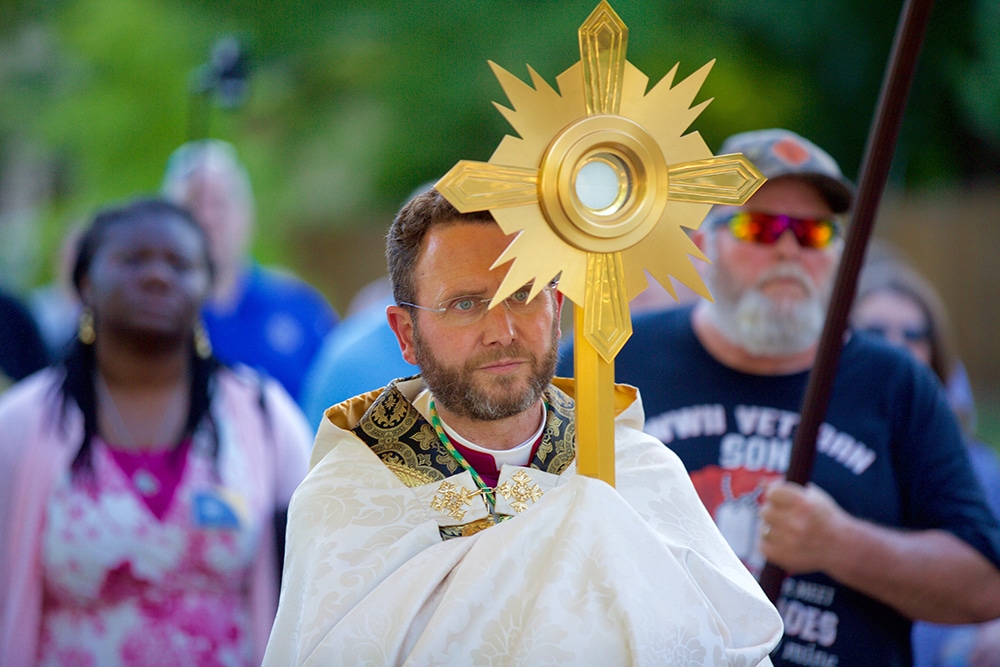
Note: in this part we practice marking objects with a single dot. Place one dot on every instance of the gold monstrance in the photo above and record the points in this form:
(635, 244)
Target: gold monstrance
(598, 188)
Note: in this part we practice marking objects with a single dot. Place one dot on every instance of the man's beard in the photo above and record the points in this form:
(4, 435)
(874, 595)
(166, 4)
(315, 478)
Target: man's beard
(762, 325)
(456, 389)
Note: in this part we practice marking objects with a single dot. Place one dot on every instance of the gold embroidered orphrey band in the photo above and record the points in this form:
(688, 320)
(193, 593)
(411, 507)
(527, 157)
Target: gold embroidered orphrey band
(409, 447)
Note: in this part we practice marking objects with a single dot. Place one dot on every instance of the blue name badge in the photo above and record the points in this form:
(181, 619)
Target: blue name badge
(212, 511)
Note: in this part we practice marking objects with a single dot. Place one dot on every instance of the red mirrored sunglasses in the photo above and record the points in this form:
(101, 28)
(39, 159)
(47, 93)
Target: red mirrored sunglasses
(766, 228)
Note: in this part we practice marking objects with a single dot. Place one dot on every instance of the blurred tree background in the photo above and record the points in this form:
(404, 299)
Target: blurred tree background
(352, 104)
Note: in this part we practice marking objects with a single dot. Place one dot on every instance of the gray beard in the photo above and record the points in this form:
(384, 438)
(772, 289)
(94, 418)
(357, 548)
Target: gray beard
(762, 325)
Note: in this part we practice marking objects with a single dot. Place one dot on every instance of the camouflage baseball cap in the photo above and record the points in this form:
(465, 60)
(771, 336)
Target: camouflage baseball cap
(779, 153)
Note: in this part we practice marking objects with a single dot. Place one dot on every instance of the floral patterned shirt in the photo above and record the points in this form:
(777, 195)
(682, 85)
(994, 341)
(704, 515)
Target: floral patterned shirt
(126, 587)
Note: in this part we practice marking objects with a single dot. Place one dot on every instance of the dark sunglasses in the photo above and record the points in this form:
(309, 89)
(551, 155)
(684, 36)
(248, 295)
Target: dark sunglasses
(766, 228)
(908, 334)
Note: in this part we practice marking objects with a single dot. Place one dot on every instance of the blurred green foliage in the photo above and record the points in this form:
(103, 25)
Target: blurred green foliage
(354, 103)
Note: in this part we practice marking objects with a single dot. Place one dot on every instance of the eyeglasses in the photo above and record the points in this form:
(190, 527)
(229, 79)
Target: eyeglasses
(463, 310)
(766, 228)
(906, 334)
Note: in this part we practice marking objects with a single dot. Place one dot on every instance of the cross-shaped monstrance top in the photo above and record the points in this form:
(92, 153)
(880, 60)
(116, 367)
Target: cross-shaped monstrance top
(599, 188)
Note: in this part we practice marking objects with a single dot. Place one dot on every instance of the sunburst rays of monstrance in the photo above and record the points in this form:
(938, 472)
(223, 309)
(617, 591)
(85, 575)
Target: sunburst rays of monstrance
(598, 188)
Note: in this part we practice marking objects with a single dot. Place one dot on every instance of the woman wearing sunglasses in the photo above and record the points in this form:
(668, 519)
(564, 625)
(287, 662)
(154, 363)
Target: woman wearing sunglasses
(897, 304)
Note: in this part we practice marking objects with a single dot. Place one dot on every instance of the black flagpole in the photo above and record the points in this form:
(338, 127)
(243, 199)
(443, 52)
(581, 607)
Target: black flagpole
(874, 172)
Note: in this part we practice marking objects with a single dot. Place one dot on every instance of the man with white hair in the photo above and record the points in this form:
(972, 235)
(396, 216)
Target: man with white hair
(266, 319)
(894, 527)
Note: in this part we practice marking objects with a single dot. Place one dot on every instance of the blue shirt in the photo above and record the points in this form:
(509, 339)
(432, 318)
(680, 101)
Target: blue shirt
(277, 326)
(360, 355)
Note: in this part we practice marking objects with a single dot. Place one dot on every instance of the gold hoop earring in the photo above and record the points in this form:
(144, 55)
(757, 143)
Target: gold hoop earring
(202, 344)
(85, 328)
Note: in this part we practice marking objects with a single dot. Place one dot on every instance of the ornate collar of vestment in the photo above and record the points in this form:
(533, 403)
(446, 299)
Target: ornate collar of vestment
(408, 446)
(411, 448)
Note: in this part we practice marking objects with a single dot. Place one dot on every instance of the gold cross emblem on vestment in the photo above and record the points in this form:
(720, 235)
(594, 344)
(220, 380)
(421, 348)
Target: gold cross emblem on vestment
(522, 490)
(452, 499)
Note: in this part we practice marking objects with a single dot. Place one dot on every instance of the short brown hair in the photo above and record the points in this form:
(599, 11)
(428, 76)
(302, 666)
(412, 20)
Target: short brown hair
(406, 236)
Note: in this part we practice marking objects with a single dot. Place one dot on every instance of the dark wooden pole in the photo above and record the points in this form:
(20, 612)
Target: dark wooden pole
(874, 172)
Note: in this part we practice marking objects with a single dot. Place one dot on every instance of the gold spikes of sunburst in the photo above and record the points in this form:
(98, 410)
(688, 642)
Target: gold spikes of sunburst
(601, 112)
(600, 184)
